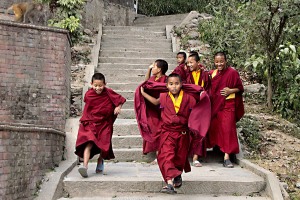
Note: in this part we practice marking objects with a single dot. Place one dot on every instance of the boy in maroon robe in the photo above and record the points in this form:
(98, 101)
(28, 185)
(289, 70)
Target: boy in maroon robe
(102, 105)
(227, 107)
(176, 106)
(158, 70)
(200, 77)
(181, 69)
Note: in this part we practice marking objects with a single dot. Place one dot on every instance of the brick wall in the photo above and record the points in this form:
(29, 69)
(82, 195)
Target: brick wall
(27, 152)
(35, 75)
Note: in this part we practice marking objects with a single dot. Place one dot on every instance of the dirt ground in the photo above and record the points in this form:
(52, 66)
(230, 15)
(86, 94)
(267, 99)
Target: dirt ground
(279, 150)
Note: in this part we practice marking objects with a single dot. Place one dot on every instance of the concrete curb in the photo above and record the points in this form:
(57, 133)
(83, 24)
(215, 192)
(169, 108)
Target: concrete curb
(53, 187)
(273, 189)
(90, 69)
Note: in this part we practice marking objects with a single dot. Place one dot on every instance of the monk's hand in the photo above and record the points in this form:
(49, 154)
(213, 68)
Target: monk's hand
(226, 91)
(142, 90)
(117, 110)
(151, 66)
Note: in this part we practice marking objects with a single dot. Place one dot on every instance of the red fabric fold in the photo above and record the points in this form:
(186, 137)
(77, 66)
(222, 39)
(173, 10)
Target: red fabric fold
(199, 123)
(97, 122)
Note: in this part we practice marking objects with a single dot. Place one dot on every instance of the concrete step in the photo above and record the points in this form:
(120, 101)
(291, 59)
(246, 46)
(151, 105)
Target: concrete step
(135, 33)
(166, 46)
(133, 28)
(139, 36)
(112, 60)
(125, 127)
(128, 104)
(123, 86)
(165, 18)
(211, 179)
(127, 94)
(125, 79)
(127, 114)
(128, 141)
(127, 66)
(120, 38)
(137, 54)
(160, 196)
(125, 72)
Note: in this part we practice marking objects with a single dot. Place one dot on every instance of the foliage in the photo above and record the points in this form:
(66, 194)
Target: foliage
(158, 7)
(249, 134)
(253, 34)
(287, 87)
(67, 15)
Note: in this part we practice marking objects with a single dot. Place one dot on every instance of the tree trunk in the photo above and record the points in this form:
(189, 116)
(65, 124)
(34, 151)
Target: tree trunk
(270, 88)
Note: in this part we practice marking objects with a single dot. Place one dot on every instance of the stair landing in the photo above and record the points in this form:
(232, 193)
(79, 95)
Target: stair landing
(211, 179)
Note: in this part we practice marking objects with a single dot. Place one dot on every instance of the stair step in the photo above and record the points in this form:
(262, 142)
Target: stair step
(149, 61)
(128, 104)
(127, 94)
(160, 196)
(125, 79)
(164, 18)
(133, 39)
(139, 36)
(125, 72)
(133, 28)
(123, 86)
(125, 127)
(128, 141)
(136, 54)
(138, 177)
(155, 45)
(127, 114)
(128, 67)
(135, 33)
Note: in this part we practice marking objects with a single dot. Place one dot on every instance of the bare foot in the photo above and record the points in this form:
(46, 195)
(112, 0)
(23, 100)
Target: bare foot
(196, 163)
(154, 162)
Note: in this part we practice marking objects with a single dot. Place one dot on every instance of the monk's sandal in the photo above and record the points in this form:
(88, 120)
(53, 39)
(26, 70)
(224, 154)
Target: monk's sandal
(169, 189)
(227, 163)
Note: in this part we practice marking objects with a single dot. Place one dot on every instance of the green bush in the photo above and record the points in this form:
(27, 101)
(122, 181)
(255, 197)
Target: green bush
(168, 7)
(67, 15)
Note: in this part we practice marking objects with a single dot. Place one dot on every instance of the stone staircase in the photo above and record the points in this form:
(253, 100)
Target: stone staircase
(126, 53)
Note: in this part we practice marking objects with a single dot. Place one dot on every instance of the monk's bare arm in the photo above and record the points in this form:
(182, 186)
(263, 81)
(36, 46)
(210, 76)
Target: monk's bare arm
(148, 74)
(150, 98)
(227, 91)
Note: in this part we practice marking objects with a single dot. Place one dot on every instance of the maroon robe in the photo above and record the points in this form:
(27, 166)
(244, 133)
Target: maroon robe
(172, 156)
(200, 122)
(153, 116)
(182, 72)
(225, 113)
(199, 143)
(204, 76)
(97, 122)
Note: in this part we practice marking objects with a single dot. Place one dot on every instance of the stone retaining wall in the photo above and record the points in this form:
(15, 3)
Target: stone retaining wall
(35, 75)
(27, 152)
(107, 13)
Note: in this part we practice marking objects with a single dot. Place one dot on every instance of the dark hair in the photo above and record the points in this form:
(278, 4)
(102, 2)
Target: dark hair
(182, 53)
(194, 55)
(174, 75)
(221, 53)
(98, 76)
(163, 65)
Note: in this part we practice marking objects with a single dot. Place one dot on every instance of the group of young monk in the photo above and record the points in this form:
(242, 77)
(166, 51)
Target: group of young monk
(179, 115)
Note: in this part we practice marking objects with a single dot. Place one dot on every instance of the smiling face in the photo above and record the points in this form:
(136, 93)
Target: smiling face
(220, 62)
(174, 85)
(98, 86)
(192, 64)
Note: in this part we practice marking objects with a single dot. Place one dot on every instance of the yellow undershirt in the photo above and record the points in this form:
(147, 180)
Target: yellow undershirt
(196, 76)
(176, 102)
(232, 95)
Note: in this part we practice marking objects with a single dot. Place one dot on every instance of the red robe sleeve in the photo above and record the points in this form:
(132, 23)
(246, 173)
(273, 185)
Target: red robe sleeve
(201, 112)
